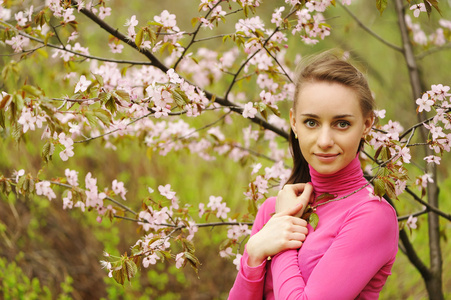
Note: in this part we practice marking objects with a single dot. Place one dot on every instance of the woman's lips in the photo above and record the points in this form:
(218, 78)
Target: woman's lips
(327, 158)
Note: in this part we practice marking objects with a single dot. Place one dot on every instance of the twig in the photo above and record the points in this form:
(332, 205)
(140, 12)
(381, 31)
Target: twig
(107, 197)
(194, 37)
(419, 213)
(78, 53)
(429, 207)
(372, 33)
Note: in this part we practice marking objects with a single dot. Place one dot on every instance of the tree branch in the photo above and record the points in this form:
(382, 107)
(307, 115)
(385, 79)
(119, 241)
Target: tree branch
(193, 40)
(429, 206)
(372, 33)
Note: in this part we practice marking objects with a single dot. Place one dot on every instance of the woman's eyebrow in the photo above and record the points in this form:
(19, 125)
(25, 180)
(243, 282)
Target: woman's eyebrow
(334, 117)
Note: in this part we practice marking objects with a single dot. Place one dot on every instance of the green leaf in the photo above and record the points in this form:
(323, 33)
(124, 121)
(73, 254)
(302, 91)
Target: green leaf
(2, 119)
(47, 151)
(119, 275)
(89, 115)
(103, 115)
(32, 90)
(139, 37)
(379, 187)
(131, 269)
(390, 190)
(326, 196)
(99, 79)
(180, 98)
(16, 131)
(313, 220)
(5, 101)
(194, 262)
(122, 95)
(381, 5)
(104, 97)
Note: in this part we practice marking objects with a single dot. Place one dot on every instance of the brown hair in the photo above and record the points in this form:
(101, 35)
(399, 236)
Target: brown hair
(330, 68)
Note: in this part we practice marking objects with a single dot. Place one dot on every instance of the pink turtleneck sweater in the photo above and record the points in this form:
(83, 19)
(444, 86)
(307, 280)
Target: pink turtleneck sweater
(348, 256)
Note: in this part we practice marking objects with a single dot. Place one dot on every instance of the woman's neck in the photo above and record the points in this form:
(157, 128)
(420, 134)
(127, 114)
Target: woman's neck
(343, 182)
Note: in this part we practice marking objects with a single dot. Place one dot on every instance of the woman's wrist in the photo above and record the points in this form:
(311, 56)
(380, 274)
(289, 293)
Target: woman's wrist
(254, 257)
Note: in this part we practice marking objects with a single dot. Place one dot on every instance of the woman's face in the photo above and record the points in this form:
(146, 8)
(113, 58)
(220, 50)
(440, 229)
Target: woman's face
(330, 124)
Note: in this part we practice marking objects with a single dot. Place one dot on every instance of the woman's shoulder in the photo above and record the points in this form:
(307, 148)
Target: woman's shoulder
(377, 209)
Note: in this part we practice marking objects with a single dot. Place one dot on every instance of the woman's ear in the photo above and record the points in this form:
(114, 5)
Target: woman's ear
(292, 121)
(368, 125)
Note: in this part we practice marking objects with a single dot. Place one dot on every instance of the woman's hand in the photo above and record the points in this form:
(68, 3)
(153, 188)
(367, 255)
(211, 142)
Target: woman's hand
(292, 195)
(282, 232)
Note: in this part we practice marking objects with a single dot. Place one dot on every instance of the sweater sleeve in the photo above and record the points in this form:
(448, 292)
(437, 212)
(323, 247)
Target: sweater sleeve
(250, 281)
(365, 243)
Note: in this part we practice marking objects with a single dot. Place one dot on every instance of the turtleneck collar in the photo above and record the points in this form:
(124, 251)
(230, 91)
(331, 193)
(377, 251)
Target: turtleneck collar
(345, 181)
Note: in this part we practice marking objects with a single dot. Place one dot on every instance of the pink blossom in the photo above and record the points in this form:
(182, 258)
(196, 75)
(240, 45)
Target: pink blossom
(166, 191)
(412, 222)
(206, 23)
(67, 201)
(440, 92)
(445, 23)
(71, 176)
(21, 18)
(380, 113)
(132, 22)
(433, 159)
(19, 174)
(119, 189)
(27, 120)
(201, 209)
(167, 19)
(237, 261)
(249, 110)
(277, 16)
(417, 9)
(66, 153)
(18, 42)
(68, 15)
(82, 85)
(104, 12)
(150, 260)
(256, 168)
(436, 131)
(107, 265)
(43, 188)
(423, 180)
(227, 252)
(214, 202)
(223, 210)
(249, 25)
(116, 48)
(400, 186)
(179, 260)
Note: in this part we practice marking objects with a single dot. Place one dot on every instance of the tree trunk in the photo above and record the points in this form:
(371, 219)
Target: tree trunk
(434, 281)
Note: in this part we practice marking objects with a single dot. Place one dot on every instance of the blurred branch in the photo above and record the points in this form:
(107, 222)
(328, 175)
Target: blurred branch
(251, 56)
(115, 32)
(107, 197)
(62, 48)
(200, 225)
(433, 50)
(194, 34)
(429, 206)
(372, 33)
(419, 213)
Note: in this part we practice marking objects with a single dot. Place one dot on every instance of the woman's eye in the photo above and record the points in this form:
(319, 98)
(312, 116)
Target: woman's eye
(310, 123)
(343, 124)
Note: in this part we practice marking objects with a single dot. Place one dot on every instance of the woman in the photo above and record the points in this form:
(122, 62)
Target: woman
(351, 251)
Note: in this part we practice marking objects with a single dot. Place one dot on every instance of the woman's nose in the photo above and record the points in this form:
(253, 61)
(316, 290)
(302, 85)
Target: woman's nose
(325, 139)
